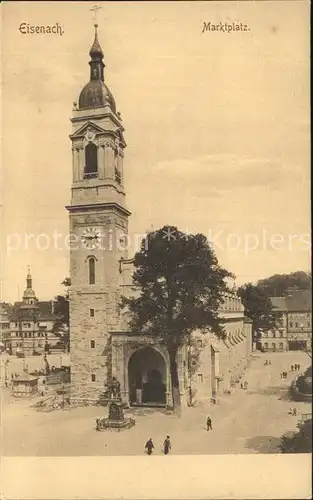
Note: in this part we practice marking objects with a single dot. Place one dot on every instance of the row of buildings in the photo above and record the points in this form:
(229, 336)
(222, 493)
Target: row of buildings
(27, 328)
(295, 330)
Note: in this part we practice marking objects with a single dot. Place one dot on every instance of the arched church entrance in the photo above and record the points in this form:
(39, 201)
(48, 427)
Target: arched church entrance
(147, 377)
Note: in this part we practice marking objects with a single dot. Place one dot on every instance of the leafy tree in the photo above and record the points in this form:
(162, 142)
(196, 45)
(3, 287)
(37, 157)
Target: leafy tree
(181, 286)
(61, 310)
(258, 307)
(279, 285)
(7, 308)
(300, 441)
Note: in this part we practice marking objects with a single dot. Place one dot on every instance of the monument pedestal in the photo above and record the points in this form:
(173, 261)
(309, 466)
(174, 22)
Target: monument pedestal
(116, 419)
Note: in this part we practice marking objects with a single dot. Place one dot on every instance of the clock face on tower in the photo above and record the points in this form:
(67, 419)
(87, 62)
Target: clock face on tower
(91, 238)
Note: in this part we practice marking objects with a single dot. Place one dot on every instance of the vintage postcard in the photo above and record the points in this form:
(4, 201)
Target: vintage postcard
(156, 289)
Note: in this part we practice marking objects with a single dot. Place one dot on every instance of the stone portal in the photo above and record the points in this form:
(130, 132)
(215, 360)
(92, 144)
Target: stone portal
(147, 377)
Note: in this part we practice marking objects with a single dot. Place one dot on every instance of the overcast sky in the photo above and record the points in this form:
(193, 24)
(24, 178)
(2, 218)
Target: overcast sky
(217, 127)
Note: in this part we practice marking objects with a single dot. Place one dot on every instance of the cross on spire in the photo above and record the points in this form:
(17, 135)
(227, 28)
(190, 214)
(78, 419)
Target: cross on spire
(95, 9)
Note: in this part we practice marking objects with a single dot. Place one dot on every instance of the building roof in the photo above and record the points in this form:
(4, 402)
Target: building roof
(299, 301)
(44, 308)
(25, 377)
(279, 303)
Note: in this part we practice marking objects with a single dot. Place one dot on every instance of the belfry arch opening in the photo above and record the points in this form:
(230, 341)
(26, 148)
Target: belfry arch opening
(147, 378)
(91, 160)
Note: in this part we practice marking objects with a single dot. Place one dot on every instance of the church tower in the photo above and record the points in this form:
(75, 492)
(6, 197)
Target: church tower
(98, 229)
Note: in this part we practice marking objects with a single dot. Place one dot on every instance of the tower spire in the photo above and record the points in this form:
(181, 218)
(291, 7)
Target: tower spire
(96, 51)
(96, 55)
(28, 278)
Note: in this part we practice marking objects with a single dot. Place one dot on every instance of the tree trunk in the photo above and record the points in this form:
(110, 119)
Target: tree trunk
(175, 383)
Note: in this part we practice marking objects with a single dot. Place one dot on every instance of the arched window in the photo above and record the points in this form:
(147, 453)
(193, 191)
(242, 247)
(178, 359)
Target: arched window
(92, 270)
(274, 347)
(266, 345)
(281, 346)
(91, 160)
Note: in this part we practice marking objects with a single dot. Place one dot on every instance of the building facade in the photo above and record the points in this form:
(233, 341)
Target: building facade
(295, 318)
(4, 327)
(31, 322)
(102, 345)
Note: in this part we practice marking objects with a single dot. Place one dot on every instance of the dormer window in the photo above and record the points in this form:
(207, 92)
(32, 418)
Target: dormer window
(91, 161)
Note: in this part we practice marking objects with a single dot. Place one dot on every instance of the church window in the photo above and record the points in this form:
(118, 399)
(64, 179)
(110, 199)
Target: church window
(93, 377)
(199, 344)
(291, 324)
(92, 344)
(91, 160)
(92, 313)
(92, 270)
(200, 378)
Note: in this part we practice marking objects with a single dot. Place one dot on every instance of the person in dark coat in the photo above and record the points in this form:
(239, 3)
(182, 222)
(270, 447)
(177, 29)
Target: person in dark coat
(149, 446)
(167, 445)
(209, 424)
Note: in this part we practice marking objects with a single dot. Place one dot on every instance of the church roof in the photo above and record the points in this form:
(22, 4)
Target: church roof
(96, 94)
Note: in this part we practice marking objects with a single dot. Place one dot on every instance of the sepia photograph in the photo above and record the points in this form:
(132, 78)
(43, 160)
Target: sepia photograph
(155, 266)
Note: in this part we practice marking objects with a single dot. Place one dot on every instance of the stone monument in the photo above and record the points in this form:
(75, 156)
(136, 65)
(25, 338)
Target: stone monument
(116, 419)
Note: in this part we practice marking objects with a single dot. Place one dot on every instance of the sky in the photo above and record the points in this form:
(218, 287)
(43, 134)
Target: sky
(216, 125)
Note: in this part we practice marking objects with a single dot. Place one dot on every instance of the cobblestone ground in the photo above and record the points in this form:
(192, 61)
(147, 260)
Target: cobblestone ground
(249, 421)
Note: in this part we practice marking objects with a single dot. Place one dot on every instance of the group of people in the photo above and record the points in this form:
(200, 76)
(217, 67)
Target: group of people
(267, 362)
(292, 411)
(166, 446)
(244, 385)
(295, 368)
(283, 375)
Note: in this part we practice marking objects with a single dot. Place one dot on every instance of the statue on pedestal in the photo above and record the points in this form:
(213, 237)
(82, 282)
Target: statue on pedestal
(115, 389)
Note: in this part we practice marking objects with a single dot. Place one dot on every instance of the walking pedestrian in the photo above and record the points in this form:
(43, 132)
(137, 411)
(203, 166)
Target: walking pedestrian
(292, 367)
(149, 446)
(294, 412)
(167, 445)
(209, 424)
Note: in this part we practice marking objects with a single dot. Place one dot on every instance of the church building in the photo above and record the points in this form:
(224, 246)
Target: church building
(102, 345)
